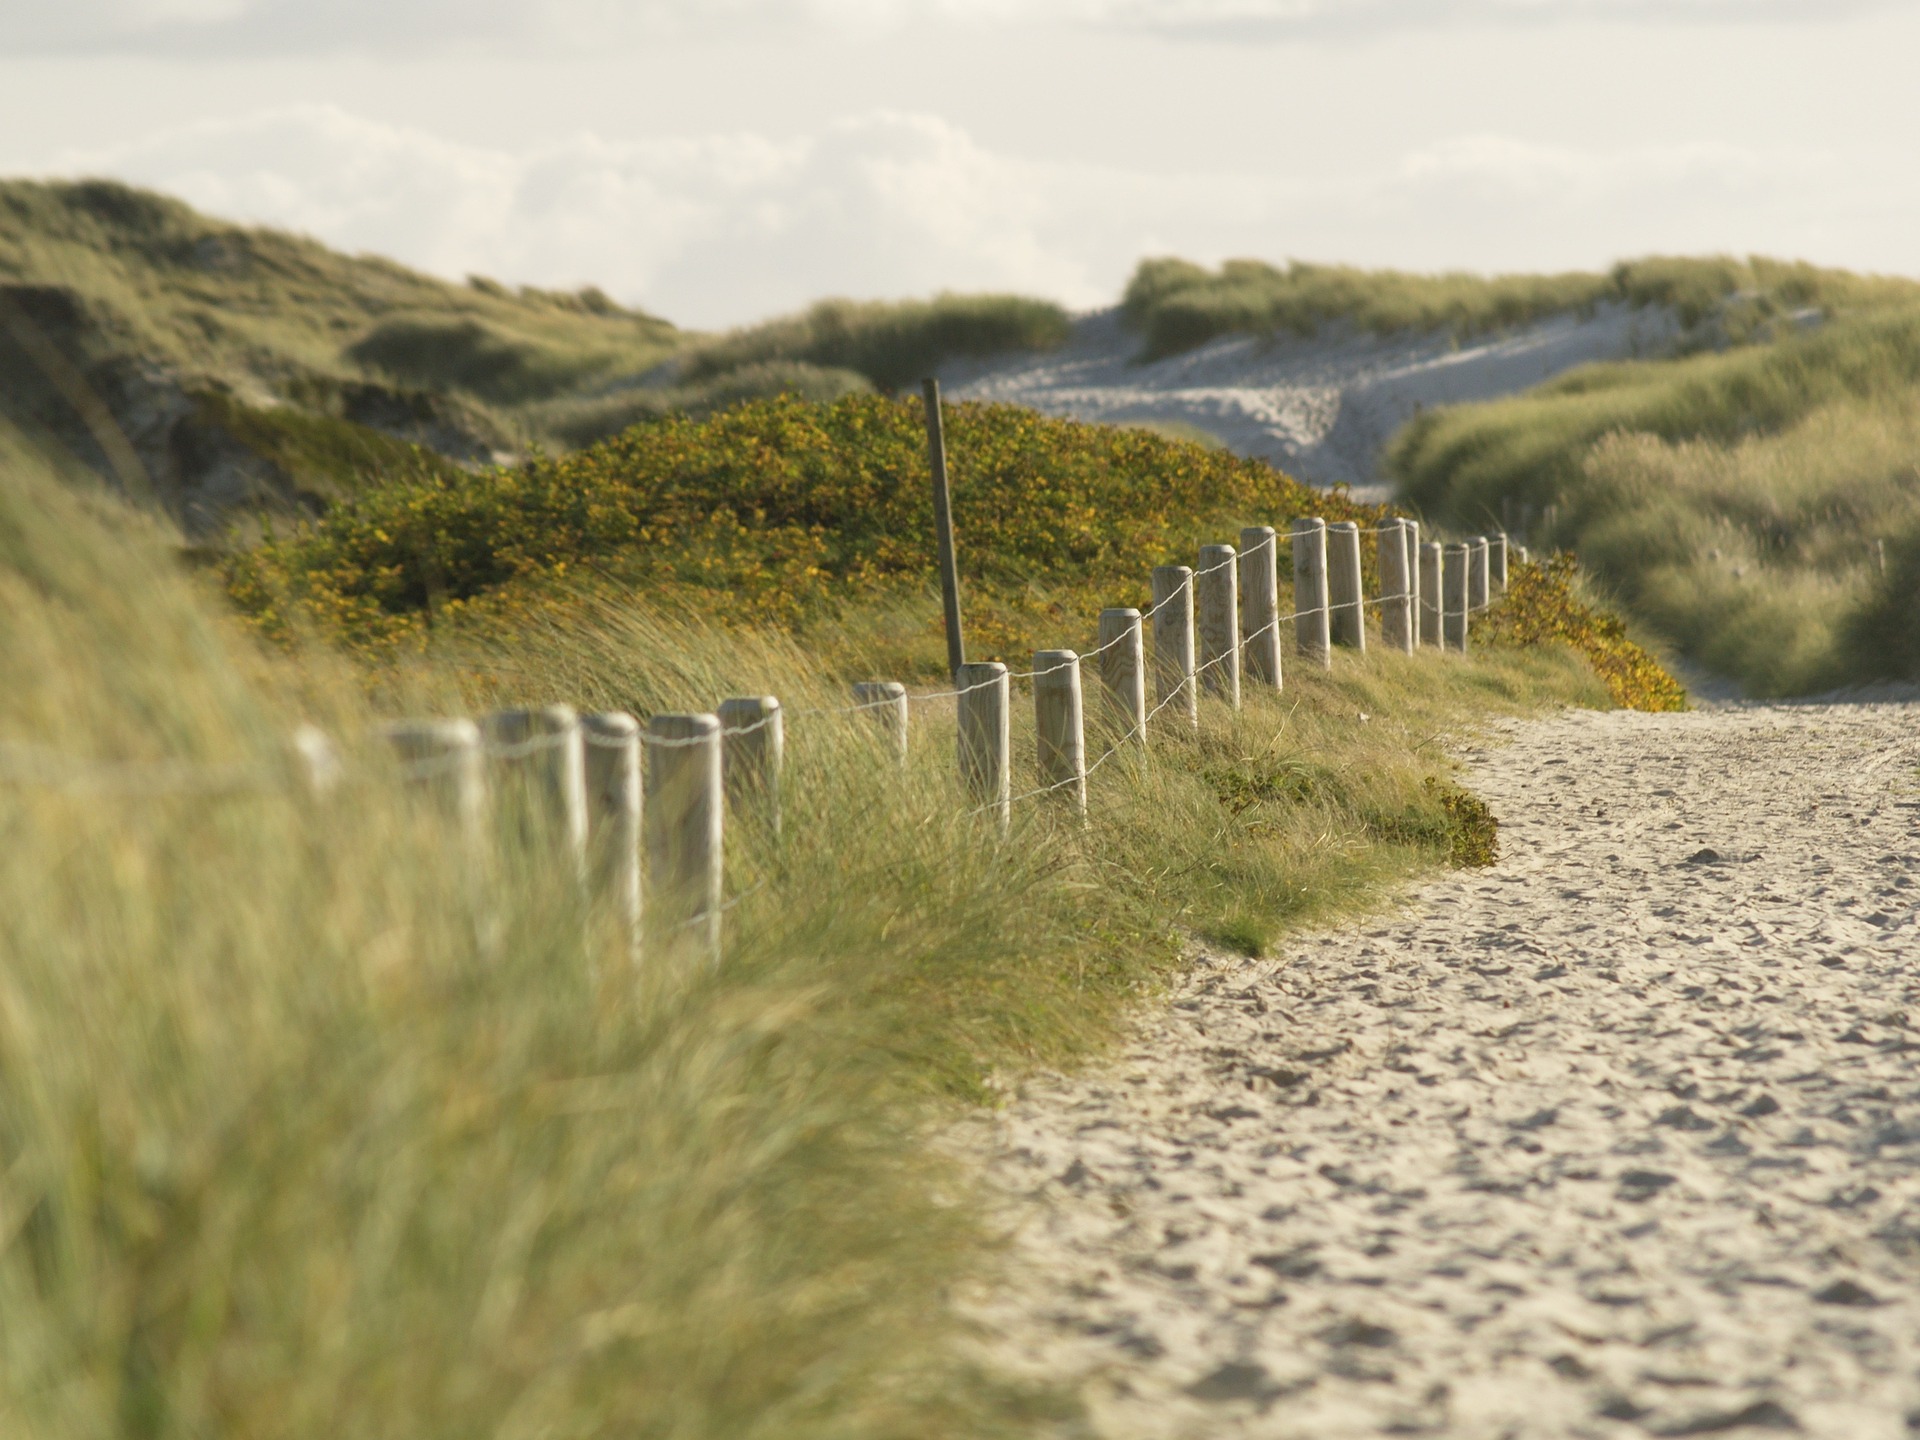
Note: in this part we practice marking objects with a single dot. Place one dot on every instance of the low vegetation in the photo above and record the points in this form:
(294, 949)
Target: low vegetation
(785, 512)
(1177, 305)
(256, 308)
(305, 1133)
(1740, 504)
(894, 344)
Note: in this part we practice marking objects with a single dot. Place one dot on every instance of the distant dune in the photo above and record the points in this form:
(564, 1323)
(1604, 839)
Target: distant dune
(1323, 407)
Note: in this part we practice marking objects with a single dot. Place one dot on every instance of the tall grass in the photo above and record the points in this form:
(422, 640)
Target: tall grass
(256, 307)
(304, 1134)
(1734, 501)
(1177, 305)
(893, 343)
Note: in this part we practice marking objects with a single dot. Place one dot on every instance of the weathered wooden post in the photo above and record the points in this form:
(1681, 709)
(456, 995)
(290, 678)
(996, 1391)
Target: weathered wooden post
(753, 748)
(1346, 599)
(542, 767)
(447, 760)
(1410, 532)
(1260, 605)
(317, 761)
(886, 702)
(1397, 617)
(1478, 594)
(1455, 592)
(615, 806)
(986, 738)
(1497, 563)
(1059, 723)
(1123, 672)
(1431, 632)
(686, 809)
(1312, 621)
(943, 526)
(1173, 641)
(1219, 605)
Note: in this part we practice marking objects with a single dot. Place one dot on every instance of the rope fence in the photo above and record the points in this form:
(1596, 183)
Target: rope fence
(638, 811)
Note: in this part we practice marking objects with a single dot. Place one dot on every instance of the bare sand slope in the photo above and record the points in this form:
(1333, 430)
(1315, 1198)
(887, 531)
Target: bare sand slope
(1621, 1137)
(1320, 408)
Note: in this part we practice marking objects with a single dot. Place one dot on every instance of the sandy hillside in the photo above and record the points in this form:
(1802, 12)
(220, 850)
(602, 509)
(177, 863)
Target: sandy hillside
(1320, 408)
(1618, 1138)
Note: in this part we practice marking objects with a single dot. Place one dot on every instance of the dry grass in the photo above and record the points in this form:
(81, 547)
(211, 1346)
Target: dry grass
(1177, 305)
(301, 1134)
(1733, 501)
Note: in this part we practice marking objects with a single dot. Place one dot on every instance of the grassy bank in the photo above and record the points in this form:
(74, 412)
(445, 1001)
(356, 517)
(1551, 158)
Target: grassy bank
(894, 344)
(1736, 502)
(814, 518)
(1177, 305)
(301, 1136)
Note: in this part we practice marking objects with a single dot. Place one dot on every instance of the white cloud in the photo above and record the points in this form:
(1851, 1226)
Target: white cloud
(410, 27)
(709, 230)
(723, 229)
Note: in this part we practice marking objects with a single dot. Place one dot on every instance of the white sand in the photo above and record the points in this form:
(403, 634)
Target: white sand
(1617, 1138)
(1320, 408)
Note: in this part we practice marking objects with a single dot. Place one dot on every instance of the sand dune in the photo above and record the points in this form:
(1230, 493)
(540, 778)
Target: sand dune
(1621, 1137)
(1321, 408)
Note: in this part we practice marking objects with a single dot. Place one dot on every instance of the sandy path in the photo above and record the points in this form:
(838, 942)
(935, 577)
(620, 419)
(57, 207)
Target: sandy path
(1621, 1137)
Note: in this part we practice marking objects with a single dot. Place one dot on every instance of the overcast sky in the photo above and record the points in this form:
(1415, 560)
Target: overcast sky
(721, 160)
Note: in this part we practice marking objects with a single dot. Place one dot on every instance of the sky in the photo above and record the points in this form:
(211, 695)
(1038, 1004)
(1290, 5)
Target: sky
(719, 161)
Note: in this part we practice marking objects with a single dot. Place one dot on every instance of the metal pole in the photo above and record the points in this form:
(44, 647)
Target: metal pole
(943, 528)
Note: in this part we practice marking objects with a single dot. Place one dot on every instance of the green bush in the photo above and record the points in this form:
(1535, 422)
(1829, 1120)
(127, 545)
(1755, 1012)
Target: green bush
(783, 511)
(578, 423)
(894, 344)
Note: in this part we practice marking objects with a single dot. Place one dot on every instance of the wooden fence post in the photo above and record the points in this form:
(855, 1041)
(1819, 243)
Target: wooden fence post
(886, 702)
(1346, 597)
(538, 754)
(615, 806)
(317, 760)
(1173, 642)
(1478, 594)
(1397, 618)
(1123, 672)
(1431, 564)
(1059, 723)
(1260, 605)
(1312, 622)
(753, 748)
(1410, 532)
(1497, 563)
(686, 808)
(1219, 606)
(447, 760)
(986, 738)
(1455, 592)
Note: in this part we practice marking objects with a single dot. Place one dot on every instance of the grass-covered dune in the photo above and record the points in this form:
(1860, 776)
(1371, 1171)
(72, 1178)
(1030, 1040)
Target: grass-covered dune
(813, 518)
(1738, 502)
(303, 1132)
(213, 345)
(1176, 305)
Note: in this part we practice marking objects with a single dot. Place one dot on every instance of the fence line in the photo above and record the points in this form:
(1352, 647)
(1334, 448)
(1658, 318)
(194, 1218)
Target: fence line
(701, 765)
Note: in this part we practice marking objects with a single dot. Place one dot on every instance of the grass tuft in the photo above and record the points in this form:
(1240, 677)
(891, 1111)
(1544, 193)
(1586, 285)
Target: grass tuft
(1176, 305)
(895, 344)
(1736, 503)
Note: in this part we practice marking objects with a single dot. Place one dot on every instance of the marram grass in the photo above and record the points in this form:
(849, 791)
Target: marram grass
(305, 1134)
